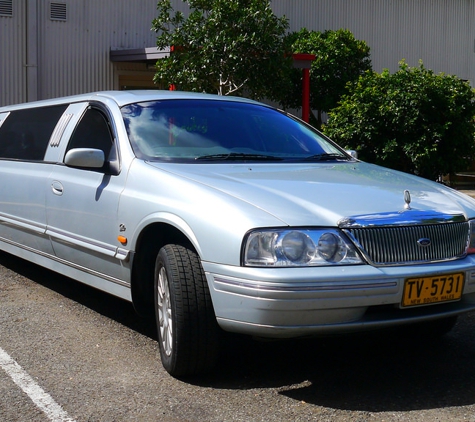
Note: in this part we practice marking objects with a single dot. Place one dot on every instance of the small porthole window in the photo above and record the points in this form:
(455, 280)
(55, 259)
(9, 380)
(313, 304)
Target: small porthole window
(58, 11)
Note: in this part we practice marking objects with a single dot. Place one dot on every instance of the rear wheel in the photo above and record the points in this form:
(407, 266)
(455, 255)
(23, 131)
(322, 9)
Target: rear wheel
(187, 328)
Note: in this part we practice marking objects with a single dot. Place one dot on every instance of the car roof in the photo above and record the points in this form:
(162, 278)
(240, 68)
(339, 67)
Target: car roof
(122, 98)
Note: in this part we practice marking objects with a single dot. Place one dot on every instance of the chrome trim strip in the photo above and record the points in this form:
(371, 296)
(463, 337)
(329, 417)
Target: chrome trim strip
(91, 272)
(313, 288)
(118, 253)
(23, 223)
(69, 238)
(59, 129)
(68, 263)
(122, 254)
(409, 217)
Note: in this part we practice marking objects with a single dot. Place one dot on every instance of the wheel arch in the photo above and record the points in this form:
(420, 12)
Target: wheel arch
(149, 241)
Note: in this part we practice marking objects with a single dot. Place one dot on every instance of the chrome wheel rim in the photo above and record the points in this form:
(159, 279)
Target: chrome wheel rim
(164, 312)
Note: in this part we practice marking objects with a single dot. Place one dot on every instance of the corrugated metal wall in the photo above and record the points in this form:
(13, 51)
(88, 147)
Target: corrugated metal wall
(73, 55)
(441, 33)
(13, 55)
(82, 43)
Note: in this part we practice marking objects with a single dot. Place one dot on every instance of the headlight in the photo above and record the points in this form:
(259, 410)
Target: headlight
(331, 247)
(298, 248)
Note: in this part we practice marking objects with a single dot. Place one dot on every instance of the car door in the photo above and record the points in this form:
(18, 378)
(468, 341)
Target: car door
(24, 138)
(82, 203)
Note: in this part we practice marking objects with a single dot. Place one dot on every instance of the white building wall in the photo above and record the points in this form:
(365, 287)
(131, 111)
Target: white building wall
(441, 33)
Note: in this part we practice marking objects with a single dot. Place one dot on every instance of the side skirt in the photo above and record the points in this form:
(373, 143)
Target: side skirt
(94, 279)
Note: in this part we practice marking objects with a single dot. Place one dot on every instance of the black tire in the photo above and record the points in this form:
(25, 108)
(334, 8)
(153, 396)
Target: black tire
(187, 329)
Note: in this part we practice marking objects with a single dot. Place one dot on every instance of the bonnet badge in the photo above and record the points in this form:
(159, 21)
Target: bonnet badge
(407, 200)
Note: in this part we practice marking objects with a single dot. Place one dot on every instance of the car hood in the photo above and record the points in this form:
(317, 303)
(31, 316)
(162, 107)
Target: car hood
(325, 193)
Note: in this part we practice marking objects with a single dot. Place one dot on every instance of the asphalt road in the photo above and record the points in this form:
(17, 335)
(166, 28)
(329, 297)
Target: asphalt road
(78, 354)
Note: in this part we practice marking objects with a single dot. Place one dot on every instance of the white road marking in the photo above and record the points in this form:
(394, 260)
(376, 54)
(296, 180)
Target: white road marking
(42, 399)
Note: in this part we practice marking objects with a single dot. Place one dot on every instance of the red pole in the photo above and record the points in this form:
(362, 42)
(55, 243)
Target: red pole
(172, 87)
(304, 61)
(306, 95)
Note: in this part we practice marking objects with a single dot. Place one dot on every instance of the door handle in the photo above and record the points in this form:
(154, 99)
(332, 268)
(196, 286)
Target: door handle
(57, 188)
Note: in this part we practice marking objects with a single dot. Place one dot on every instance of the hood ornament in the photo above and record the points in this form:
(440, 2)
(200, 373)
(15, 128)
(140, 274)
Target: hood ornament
(407, 200)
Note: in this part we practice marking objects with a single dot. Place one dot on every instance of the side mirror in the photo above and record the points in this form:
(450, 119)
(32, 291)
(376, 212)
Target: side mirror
(85, 158)
(352, 152)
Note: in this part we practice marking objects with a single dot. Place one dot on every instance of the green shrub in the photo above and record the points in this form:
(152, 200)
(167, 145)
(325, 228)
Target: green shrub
(412, 120)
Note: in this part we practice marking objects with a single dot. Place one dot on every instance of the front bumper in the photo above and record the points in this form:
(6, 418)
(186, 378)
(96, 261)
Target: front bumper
(296, 302)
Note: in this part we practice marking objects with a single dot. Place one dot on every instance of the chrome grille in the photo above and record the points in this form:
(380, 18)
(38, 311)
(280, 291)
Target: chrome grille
(399, 244)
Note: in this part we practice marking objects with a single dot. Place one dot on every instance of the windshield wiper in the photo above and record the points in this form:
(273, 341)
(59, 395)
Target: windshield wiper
(239, 156)
(328, 157)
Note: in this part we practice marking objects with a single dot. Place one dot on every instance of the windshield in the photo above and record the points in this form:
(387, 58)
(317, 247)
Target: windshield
(216, 131)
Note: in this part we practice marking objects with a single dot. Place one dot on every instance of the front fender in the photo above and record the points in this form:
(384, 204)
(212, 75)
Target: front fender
(168, 219)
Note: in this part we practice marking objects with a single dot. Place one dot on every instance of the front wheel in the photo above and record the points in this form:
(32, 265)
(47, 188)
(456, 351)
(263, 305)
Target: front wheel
(187, 328)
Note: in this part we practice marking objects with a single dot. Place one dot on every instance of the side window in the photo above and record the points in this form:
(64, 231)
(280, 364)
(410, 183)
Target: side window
(93, 131)
(25, 133)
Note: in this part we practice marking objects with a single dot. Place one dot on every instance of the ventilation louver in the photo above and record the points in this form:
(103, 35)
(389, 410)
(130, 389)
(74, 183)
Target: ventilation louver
(58, 11)
(6, 8)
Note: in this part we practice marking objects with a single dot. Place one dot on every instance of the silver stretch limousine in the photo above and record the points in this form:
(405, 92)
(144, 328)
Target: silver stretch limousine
(215, 213)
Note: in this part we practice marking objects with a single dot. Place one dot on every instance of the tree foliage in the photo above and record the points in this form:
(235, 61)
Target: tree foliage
(412, 120)
(339, 58)
(223, 46)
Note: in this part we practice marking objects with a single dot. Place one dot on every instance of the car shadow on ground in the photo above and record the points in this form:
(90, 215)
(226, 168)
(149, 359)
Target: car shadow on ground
(374, 372)
(110, 306)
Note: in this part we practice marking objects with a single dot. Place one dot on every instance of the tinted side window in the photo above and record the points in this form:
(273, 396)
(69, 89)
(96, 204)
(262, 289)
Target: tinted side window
(25, 133)
(93, 131)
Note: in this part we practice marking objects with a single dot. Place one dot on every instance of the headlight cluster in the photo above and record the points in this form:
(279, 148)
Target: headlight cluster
(298, 248)
(471, 237)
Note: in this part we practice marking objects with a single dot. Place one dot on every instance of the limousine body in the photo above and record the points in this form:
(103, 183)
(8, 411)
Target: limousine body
(215, 213)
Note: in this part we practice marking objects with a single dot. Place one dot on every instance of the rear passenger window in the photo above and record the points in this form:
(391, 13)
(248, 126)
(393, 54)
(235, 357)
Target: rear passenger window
(25, 133)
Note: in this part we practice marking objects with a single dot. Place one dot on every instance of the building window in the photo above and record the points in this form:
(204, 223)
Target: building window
(6, 8)
(58, 11)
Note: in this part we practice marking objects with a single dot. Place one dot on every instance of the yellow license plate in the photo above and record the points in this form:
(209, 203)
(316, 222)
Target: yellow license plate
(426, 290)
